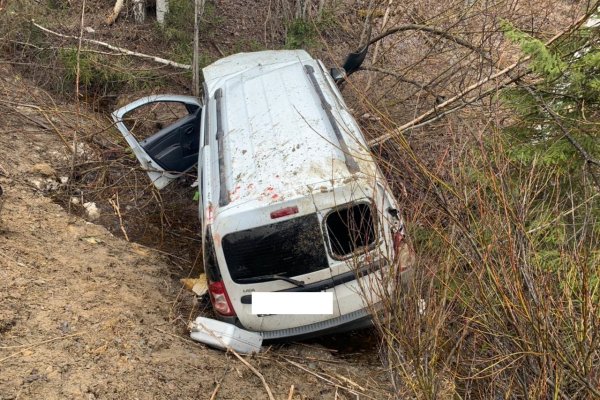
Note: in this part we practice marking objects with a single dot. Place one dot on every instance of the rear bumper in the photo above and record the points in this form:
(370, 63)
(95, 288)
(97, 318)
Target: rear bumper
(356, 320)
(359, 319)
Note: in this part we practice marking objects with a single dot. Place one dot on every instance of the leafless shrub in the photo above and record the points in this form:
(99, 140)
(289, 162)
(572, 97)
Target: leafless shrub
(503, 303)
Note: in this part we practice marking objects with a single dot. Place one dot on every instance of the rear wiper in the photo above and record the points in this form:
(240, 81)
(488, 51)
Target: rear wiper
(264, 278)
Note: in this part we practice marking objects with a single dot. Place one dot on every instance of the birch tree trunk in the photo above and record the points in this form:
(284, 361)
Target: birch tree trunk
(139, 11)
(115, 13)
(162, 8)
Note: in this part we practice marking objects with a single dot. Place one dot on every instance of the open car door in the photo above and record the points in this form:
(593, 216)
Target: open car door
(172, 150)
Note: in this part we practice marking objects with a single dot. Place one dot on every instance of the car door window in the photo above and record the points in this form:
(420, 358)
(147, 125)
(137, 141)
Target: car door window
(168, 132)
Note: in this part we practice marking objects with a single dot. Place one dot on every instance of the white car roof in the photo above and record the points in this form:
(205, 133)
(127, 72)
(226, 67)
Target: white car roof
(277, 134)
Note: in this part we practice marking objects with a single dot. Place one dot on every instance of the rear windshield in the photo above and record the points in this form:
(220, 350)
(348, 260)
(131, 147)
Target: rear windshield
(288, 248)
(350, 228)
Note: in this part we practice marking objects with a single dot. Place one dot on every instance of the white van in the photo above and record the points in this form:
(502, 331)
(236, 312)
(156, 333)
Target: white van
(291, 199)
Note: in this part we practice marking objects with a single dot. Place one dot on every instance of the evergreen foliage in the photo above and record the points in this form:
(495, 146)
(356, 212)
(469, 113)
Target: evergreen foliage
(567, 83)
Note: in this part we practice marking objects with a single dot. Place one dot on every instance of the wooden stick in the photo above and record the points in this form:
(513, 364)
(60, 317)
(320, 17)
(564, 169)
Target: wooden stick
(115, 205)
(41, 111)
(159, 60)
(78, 104)
(198, 11)
(214, 393)
(255, 371)
(291, 392)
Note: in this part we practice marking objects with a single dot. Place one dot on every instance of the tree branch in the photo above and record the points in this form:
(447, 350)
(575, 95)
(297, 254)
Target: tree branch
(500, 74)
(433, 111)
(401, 78)
(159, 60)
(432, 30)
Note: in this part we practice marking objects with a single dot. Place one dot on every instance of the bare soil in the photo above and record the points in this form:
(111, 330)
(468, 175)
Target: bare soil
(87, 314)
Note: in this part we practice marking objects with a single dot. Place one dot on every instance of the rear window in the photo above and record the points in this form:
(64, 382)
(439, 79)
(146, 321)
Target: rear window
(350, 228)
(288, 248)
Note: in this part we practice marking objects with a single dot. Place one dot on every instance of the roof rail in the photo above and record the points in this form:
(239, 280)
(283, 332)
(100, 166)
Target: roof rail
(223, 195)
(350, 161)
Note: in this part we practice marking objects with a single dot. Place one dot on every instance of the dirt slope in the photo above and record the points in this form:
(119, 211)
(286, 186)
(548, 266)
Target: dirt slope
(85, 314)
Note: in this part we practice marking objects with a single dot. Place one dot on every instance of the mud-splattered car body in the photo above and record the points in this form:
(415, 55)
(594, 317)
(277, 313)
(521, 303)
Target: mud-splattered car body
(291, 199)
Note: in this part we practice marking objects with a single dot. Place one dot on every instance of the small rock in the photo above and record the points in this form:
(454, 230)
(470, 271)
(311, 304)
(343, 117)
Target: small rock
(89, 29)
(83, 150)
(65, 327)
(37, 183)
(91, 210)
(44, 169)
(51, 185)
(34, 376)
(64, 179)
(75, 200)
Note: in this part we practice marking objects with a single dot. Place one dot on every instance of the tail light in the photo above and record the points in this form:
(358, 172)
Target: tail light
(220, 299)
(398, 239)
(403, 255)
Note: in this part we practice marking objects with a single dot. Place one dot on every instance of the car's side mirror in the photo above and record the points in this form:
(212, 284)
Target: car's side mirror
(338, 74)
(351, 65)
(355, 60)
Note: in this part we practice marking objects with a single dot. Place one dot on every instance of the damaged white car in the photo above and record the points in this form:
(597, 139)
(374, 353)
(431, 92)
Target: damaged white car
(291, 199)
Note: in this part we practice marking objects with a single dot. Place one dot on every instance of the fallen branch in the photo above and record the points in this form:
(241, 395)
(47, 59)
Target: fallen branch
(433, 111)
(255, 371)
(115, 205)
(214, 393)
(159, 60)
(27, 347)
(41, 111)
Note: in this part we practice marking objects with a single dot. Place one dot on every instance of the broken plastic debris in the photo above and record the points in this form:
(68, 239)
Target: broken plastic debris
(199, 285)
(225, 336)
